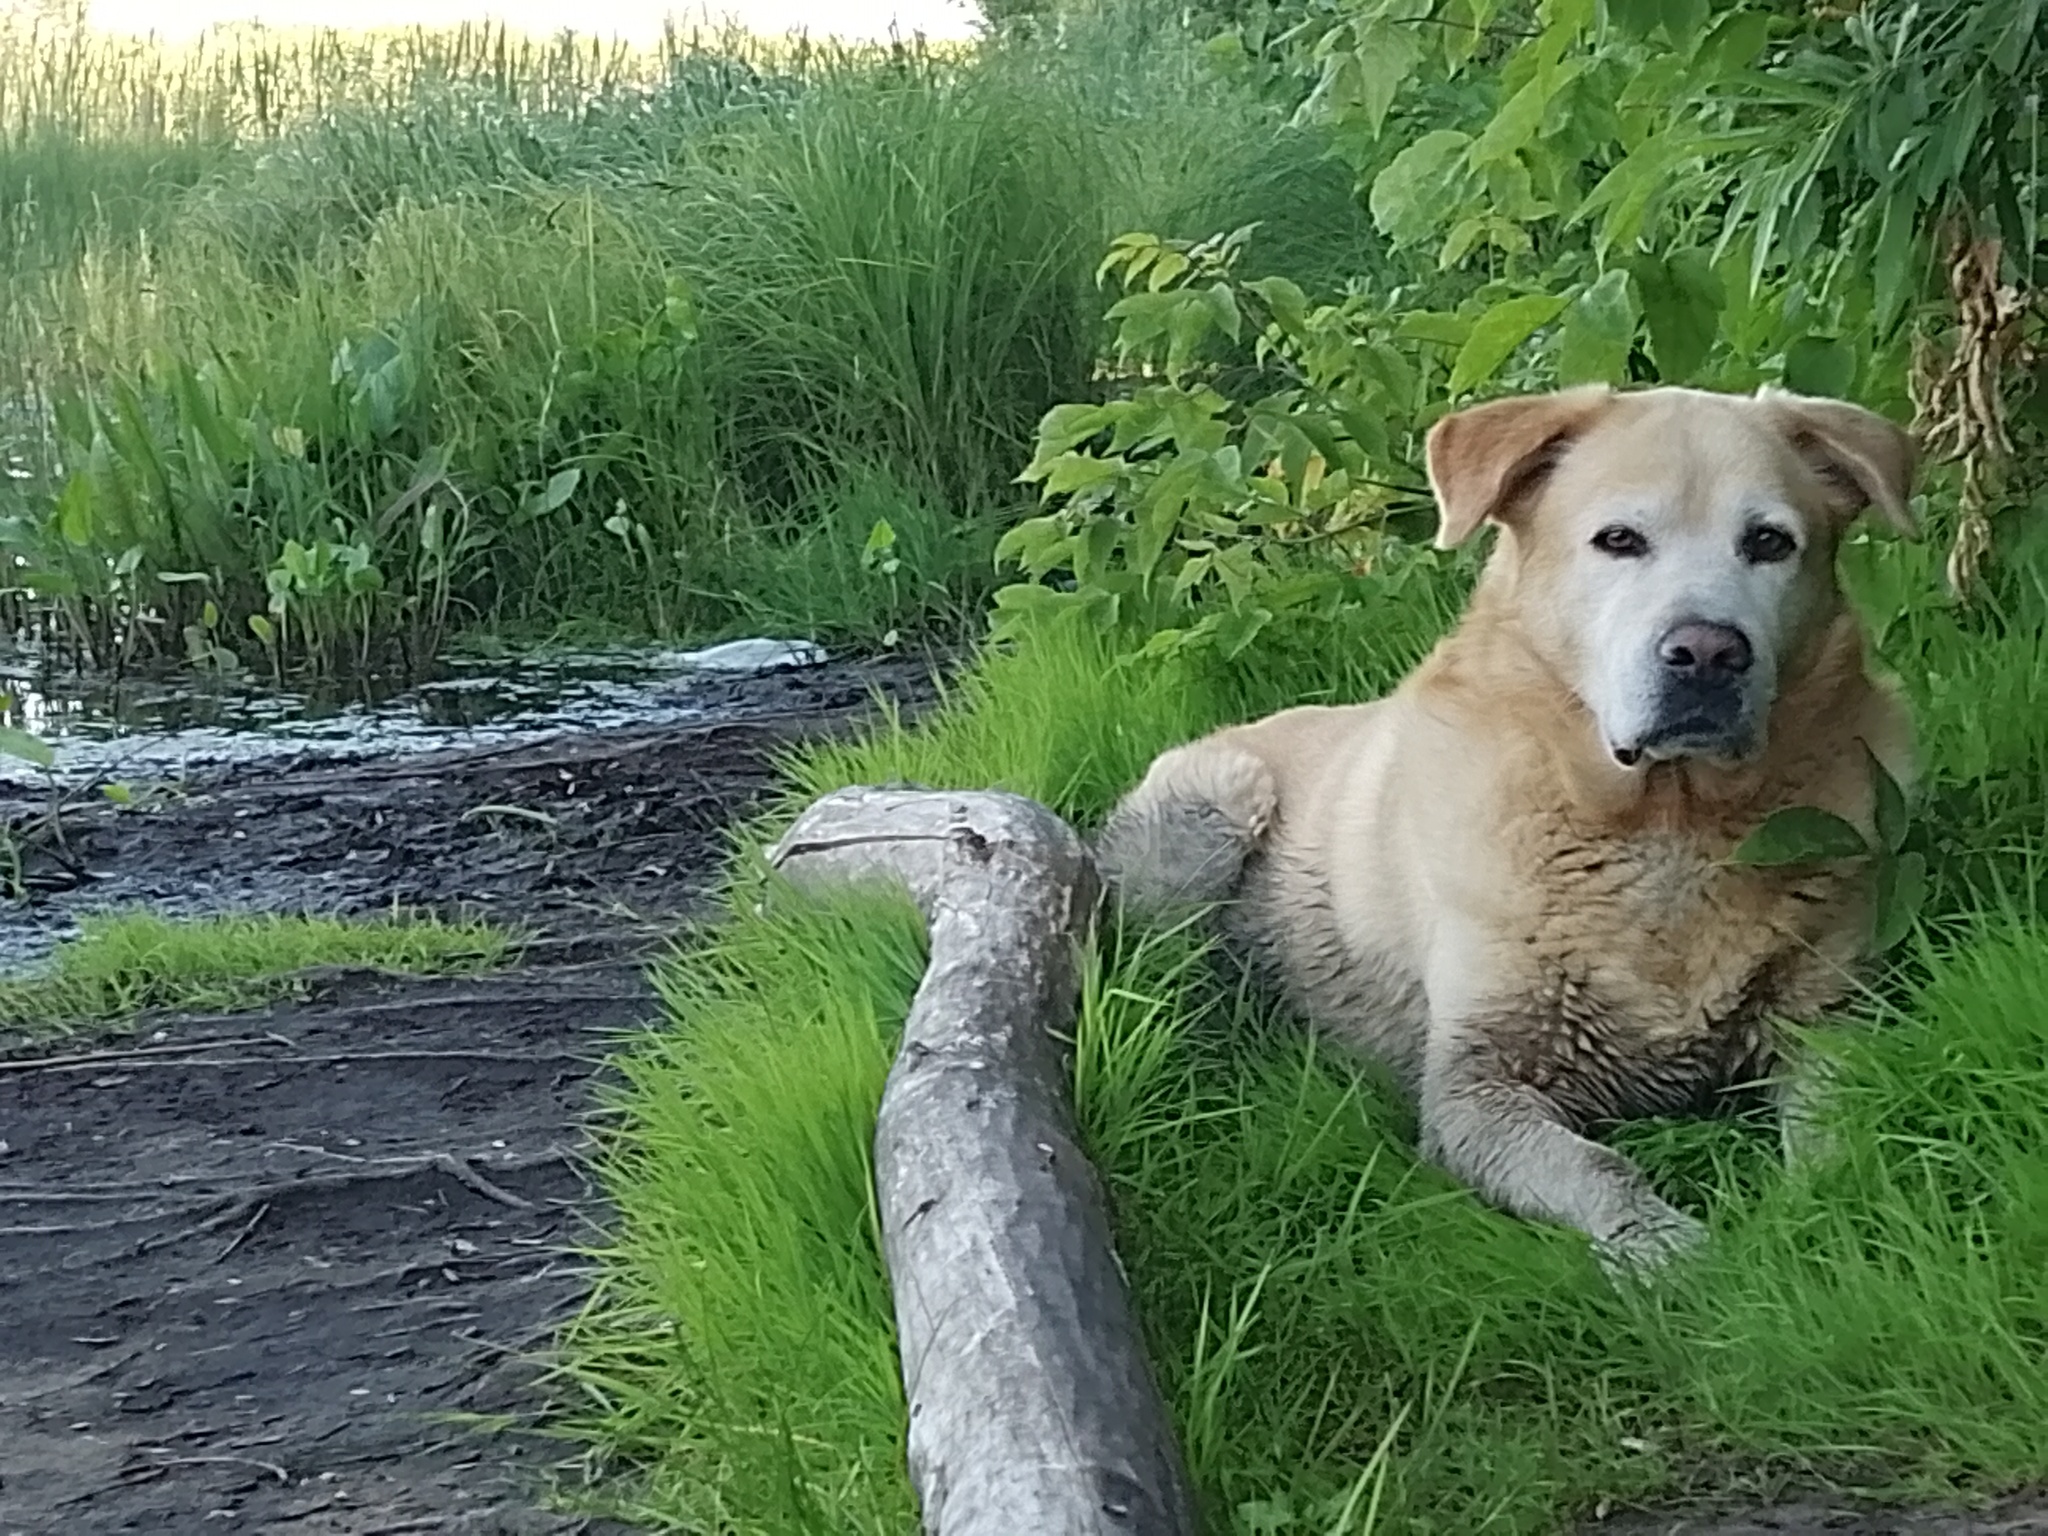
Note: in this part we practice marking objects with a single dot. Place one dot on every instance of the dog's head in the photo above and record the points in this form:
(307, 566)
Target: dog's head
(1669, 552)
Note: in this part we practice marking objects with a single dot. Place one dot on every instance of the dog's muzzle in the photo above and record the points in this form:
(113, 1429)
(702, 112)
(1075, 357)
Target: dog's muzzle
(1704, 696)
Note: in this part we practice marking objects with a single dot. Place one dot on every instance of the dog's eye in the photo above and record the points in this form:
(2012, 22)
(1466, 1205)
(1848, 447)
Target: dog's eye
(1766, 545)
(1621, 541)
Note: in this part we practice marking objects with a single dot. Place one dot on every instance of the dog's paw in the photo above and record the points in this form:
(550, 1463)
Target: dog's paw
(1649, 1243)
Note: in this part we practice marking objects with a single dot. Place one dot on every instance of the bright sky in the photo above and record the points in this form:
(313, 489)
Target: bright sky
(636, 20)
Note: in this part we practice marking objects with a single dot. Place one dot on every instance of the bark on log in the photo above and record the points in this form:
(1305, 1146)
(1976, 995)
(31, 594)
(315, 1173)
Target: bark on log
(1033, 1408)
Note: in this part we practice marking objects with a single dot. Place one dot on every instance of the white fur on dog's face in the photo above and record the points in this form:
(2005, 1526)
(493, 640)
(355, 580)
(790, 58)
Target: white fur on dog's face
(1675, 508)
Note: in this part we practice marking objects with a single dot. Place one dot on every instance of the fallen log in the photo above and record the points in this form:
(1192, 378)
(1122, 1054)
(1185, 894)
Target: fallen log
(1033, 1407)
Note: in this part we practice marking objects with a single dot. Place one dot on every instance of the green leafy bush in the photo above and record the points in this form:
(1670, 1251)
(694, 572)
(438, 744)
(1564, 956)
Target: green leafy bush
(1713, 194)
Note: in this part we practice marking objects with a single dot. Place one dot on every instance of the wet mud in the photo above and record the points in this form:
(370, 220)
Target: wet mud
(2026, 1516)
(287, 1271)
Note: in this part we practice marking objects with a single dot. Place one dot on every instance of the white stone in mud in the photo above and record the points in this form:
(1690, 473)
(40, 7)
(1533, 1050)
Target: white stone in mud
(755, 655)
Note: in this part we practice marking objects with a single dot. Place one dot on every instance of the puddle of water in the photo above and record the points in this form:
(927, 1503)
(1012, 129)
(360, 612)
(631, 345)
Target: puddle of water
(156, 728)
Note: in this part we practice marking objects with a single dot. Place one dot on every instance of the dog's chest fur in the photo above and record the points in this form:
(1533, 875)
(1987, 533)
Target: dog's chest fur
(1651, 969)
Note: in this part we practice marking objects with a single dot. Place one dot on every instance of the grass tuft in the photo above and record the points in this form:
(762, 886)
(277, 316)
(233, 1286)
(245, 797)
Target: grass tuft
(122, 965)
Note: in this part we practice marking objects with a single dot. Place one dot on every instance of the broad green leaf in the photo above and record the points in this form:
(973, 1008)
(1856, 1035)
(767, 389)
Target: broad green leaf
(1463, 240)
(1068, 426)
(1128, 254)
(1036, 544)
(1238, 628)
(1283, 296)
(1598, 331)
(1520, 116)
(1624, 193)
(1365, 427)
(1385, 56)
(1565, 19)
(1095, 546)
(75, 510)
(1683, 21)
(1801, 834)
(1735, 41)
(1638, 18)
(1167, 269)
(1891, 816)
(25, 745)
(1427, 325)
(561, 486)
(1187, 331)
(1223, 310)
(1820, 365)
(1072, 472)
(1901, 889)
(1024, 603)
(1408, 197)
(1497, 334)
(1892, 261)
(1681, 297)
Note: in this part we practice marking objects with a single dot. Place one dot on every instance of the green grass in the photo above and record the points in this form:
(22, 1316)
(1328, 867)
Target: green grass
(372, 296)
(122, 965)
(1350, 1341)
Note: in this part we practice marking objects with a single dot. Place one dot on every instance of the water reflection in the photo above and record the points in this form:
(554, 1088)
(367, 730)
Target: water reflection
(157, 726)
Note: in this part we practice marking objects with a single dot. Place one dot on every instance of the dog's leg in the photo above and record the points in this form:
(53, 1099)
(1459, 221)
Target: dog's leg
(1513, 1145)
(1181, 838)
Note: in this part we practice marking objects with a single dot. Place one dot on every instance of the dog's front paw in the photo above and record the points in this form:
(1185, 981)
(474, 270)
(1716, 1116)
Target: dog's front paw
(1649, 1241)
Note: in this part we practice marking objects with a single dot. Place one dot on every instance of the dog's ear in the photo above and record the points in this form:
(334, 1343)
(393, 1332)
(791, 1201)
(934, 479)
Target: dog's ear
(1864, 460)
(1487, 460)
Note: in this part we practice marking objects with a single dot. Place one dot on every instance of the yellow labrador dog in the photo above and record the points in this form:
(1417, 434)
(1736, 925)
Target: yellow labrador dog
(1508, 880)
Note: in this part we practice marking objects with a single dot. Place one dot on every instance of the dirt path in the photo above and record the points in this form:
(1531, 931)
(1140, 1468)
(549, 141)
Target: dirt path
(250, 1266)
(2022, 1517)
(246, 1271)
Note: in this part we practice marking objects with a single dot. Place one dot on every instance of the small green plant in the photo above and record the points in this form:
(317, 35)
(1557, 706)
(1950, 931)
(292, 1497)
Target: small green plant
(22, 745)
(1806, 834)
(25, 746)
(650, 562)
(1196, 516)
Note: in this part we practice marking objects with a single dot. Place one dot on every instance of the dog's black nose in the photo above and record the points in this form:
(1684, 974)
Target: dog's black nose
(1706, 652)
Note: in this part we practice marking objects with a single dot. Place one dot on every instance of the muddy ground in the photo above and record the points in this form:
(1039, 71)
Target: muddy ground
(284, 1271)
(258, 1272)
(2018, 1517)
